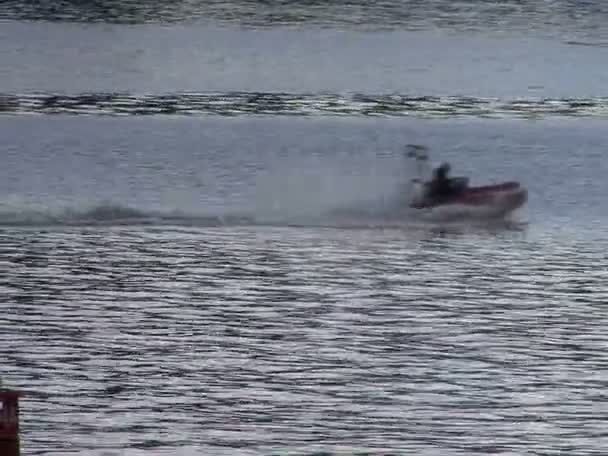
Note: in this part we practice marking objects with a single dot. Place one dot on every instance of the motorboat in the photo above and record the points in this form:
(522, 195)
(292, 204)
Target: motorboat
(462, 199)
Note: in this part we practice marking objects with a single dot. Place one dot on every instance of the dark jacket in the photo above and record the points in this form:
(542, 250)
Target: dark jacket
(441, 184)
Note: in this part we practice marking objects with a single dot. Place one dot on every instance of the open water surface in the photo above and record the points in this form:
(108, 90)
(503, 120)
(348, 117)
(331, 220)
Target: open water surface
(197, 251)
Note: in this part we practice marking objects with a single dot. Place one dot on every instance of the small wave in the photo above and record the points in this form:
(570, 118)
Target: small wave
(267, 103)
(601, 44)
(116, 215)
(110, 215)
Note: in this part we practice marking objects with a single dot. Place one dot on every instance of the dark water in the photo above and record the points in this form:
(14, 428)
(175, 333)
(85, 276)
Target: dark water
(198, 253)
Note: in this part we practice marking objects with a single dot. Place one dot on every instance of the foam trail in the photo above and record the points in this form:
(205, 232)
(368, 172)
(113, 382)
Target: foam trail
(117, 215)
(112, 214)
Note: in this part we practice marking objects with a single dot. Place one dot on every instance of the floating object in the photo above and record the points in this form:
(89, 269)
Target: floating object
(9, 422)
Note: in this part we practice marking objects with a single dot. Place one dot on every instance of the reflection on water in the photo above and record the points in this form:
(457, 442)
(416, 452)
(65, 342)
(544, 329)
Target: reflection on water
(255, 340)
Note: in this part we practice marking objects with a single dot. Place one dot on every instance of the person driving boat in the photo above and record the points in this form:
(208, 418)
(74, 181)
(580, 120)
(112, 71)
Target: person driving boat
(435, 192)
(441, 185)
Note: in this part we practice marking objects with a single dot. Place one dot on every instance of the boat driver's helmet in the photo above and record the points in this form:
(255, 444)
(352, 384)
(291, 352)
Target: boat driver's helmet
(443, 169)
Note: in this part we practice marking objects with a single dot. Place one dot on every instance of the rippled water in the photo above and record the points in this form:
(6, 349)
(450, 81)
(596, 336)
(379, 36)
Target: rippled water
(199, 252)
(469, 15)
(260, 341)
(137, 330)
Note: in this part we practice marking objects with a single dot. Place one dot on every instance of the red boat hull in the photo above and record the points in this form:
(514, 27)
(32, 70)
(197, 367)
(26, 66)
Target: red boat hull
(500, 198)
(486, 194)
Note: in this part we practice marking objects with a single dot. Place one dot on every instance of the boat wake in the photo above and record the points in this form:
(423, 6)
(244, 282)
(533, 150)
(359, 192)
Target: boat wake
(110, 215)
(115, 215)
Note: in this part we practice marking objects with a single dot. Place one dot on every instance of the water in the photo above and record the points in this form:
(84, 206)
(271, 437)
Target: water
(250, 341)
(198, 255)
